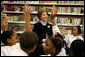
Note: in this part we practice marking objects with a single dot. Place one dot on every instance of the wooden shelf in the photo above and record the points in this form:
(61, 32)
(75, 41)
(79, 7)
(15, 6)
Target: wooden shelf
(20, 22)
(45, 4)
(23, 22)
(67, 14)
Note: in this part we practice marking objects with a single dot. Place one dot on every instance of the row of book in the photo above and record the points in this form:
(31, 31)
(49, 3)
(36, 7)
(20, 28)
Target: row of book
(57, 2)
(18, 8)
(59, 20)
(72, 21)
(16, 27)
(63, 2)
(21, 18)
(16, 18)
(20, 1)
(76, 10)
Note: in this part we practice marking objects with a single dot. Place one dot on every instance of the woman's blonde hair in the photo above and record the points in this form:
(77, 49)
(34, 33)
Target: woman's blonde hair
(40, 12)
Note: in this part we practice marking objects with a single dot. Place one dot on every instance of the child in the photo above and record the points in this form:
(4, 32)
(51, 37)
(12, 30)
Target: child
(77, 48)
(54, 46)
(9, 38)
(70, 38)
(28, 42)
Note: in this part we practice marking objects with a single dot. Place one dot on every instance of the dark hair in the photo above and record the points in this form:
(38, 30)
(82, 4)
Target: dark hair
(28, 40)
(79, 29)
(77, 48)
(6, 35)
(40, 12)
(58, 35)
(57, 43)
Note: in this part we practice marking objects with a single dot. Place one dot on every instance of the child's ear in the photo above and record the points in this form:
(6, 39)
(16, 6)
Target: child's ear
(53, 50)
(9, 40)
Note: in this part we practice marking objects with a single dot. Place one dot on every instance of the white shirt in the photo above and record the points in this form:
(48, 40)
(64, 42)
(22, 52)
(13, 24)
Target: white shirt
(14, 50)
(1, 32)
(62, 52)
(4, 50)
(70, 38)
(17, 52)
(55, 29)
(43, 23)
(17, 45)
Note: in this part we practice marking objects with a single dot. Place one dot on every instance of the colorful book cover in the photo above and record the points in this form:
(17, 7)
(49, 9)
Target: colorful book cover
(47, 1)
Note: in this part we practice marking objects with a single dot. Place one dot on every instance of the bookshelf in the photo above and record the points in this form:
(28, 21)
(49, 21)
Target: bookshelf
(23, 22)
(67, 10)
(35, 13)
(44, 4)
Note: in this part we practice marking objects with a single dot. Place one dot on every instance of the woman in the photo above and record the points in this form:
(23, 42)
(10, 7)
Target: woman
(40, 28)
(43, 27)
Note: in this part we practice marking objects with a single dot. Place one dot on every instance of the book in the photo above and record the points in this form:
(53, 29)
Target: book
(16, 27)
(32, 2)
(70, 2)
(35, 19)
(57, 2)
(68, 21)
(16, 18)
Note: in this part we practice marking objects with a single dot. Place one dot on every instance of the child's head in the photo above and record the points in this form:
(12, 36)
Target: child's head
(76, 30)
(9, 38)
(42, 15)
(28, 41)
(53, 45)
(4, 22)
(77, 48)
